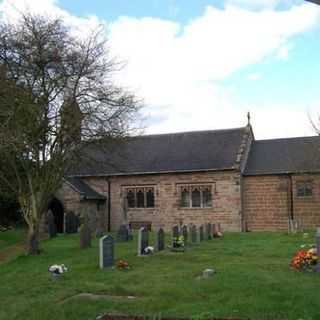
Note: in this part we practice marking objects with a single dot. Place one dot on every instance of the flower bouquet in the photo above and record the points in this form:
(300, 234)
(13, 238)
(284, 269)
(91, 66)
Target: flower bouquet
(304, 260)
(122, 265)
(178, 244)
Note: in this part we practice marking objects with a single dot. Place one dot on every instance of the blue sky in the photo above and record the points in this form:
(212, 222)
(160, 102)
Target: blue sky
(202, 64)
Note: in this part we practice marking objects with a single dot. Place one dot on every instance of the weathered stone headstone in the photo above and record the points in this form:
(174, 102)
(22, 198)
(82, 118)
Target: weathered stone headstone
(194, 235)
(71, 223)
(130, 233)
(209, 231)
(185, 234)
(201, 233)
(214, 230)
(160, 243)
(106, 250)
(123, 233)
(99, 233)
(52, 228)
(318, 249)
(205, 231)
(175, 236)
(207, 273)
(85, 233)
(143, 241)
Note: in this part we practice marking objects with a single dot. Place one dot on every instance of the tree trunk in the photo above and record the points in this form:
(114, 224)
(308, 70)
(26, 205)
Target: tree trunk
(33, 243)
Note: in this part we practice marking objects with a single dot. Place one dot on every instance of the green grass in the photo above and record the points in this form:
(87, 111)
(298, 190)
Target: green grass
(253, 280)
(11, 237)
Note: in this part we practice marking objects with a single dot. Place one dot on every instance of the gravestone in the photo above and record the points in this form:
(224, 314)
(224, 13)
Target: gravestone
(130, 233)
(194, 235)
(71, 222)
(201, 233)
(209, 231)
(160, 244)
(123, 233)
(52, 228)
(143, 241)
(106, 250)
(214, 230)
(85, 233)
(175, 236)
(99, 233)
(185, 234)
(318, 249)
(205, 231)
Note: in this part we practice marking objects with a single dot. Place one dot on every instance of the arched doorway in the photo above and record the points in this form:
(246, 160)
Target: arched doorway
(57, 209)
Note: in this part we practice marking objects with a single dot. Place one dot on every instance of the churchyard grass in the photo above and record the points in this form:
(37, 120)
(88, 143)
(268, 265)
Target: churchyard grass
(11, 237)
(253, 280)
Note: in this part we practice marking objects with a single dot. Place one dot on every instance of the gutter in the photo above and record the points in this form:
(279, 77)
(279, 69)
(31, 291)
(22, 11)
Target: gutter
(280, 173)
(291, 208)
(233, 168)
(109, 205)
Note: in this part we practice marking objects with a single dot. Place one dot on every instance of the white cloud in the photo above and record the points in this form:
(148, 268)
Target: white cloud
(283, 52)
(81, 26)
(177, 69)
(261, 4)
(254, 76)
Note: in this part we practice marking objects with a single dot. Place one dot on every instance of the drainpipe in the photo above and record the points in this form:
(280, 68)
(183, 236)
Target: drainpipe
(291, 212)
(109, 205)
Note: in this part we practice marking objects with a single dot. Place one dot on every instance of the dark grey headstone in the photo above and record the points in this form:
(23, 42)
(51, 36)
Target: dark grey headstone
(71, 222)
(99, 233)
(175, 231)
(205, 232)
(143, 241)
(209, 231)
(52, 228)
(194, 236)
(85, 234)
(106, 250)
(123, 233)
(130, 233)
(175, 236)
(185, 234)
(201, 232)
(214, 230)
(160, 240)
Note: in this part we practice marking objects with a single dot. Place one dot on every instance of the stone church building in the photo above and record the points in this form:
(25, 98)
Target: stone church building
(218, 176)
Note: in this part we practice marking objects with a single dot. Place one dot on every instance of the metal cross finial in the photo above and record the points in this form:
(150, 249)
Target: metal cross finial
(249, 118)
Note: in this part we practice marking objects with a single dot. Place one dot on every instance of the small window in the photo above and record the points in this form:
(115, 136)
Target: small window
(207, 198)
(304, 189)
(185, 198)
(131, 198)
(140, 197)
(150, 198)
(196, 197)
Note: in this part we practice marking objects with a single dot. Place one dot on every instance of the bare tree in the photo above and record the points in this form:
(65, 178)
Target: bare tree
(56, 95)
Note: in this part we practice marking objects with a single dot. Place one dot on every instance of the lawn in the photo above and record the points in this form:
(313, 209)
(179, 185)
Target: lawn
(253, 281)
(11, 237)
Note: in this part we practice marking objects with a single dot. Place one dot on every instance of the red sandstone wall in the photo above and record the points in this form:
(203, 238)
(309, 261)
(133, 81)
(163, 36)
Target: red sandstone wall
(167, 211)
(307, 209)
(266, 203)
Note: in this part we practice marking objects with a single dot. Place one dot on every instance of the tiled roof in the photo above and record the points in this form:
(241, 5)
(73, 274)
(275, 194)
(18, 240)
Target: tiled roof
(175, 152)
(84, 189)
(279, 156)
